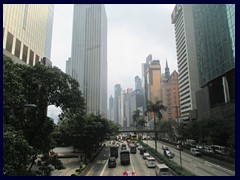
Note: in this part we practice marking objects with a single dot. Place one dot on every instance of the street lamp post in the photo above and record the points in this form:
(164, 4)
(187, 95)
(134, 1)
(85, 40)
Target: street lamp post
(180, 156)
(179, 145)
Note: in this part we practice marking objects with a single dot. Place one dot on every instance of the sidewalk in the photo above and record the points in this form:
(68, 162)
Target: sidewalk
(71, 160)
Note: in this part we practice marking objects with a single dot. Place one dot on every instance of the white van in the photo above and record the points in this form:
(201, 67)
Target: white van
(150, 162)
(162, 170)
(222, 150)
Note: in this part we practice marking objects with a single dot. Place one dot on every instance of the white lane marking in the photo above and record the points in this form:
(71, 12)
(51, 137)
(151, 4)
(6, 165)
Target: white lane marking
(132, 165)
(208, 164)
(103, 169)
(194, 165)
(216, 165)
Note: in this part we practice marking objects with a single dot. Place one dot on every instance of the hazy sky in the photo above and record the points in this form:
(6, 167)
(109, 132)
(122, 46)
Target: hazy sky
(134, 32)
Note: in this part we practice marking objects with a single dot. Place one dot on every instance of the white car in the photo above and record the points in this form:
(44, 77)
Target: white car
(150, 162)
(145, 155)
(195, 152)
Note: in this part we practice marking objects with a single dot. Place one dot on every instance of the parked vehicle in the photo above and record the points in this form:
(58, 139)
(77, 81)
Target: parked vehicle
(124, 157)
(114, 151)
(222, 150)
(195, 152)
(150, 162)
(145, 155)
(169, 154)
(112, 162)
(190, 143)
(179, 147)
(162, 170)
(207, 149)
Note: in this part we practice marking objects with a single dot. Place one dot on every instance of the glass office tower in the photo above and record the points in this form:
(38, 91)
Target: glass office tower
(89, 55)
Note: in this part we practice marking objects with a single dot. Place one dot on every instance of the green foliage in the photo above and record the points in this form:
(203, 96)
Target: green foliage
(212, 131)
(17, 152)
(138, 119)
(35, 132)
(41, 86)
(155, 108)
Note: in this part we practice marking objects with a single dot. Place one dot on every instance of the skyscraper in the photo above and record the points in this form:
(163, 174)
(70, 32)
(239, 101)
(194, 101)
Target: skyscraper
(27, 32)
(145, 67)
(117, 94)
(111, 110)
(214, 26)
(186, 57)
(69, 67)
(154, 81)
(89, 55)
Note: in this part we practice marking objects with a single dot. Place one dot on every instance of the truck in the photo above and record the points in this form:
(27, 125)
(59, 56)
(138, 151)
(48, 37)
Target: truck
(114, 151)
(125, 157)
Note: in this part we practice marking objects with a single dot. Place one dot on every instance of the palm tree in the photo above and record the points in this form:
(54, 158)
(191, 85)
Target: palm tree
(155, 108)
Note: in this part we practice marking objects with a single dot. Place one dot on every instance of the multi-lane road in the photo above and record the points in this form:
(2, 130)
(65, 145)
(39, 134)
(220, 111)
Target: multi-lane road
(196, 165)
(137, 165)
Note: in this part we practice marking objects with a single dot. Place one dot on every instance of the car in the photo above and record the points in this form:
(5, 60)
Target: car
(164, 147)
(195, 152)
(142, 150)
(200, 147)
(207, 149)
(129, 173)
(139, 147)
(112, 162)
(145, 155)
(150, 162)
(179, 147)
(162, 170)
(169, 154)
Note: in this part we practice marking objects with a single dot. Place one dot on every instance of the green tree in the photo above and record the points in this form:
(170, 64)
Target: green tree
(155, 109)
(138, 119)
(41, 86)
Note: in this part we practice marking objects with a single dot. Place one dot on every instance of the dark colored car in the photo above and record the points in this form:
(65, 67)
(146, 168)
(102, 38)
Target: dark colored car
(112, 162)
(179, 147)
(142, 150)
(164, 147)
(169, 154)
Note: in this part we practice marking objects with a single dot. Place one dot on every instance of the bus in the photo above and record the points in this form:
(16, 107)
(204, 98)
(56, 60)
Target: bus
(125, 157)
(134, 137)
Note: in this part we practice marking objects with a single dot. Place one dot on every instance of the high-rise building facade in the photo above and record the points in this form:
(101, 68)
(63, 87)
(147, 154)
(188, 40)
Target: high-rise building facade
(145, 67)
(170, 96)
(214, 26)
(111, 112)
(186, 58)
(27, 32)
(117, 94)
(69, 67)
(89, 55)
(154, 81)
(138, 83)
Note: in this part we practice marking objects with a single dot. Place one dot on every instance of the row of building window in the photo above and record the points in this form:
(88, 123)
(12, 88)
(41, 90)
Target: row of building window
(17, 51)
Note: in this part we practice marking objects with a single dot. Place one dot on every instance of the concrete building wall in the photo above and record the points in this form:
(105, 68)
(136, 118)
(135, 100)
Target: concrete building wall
(27, 31)
(186, 56)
